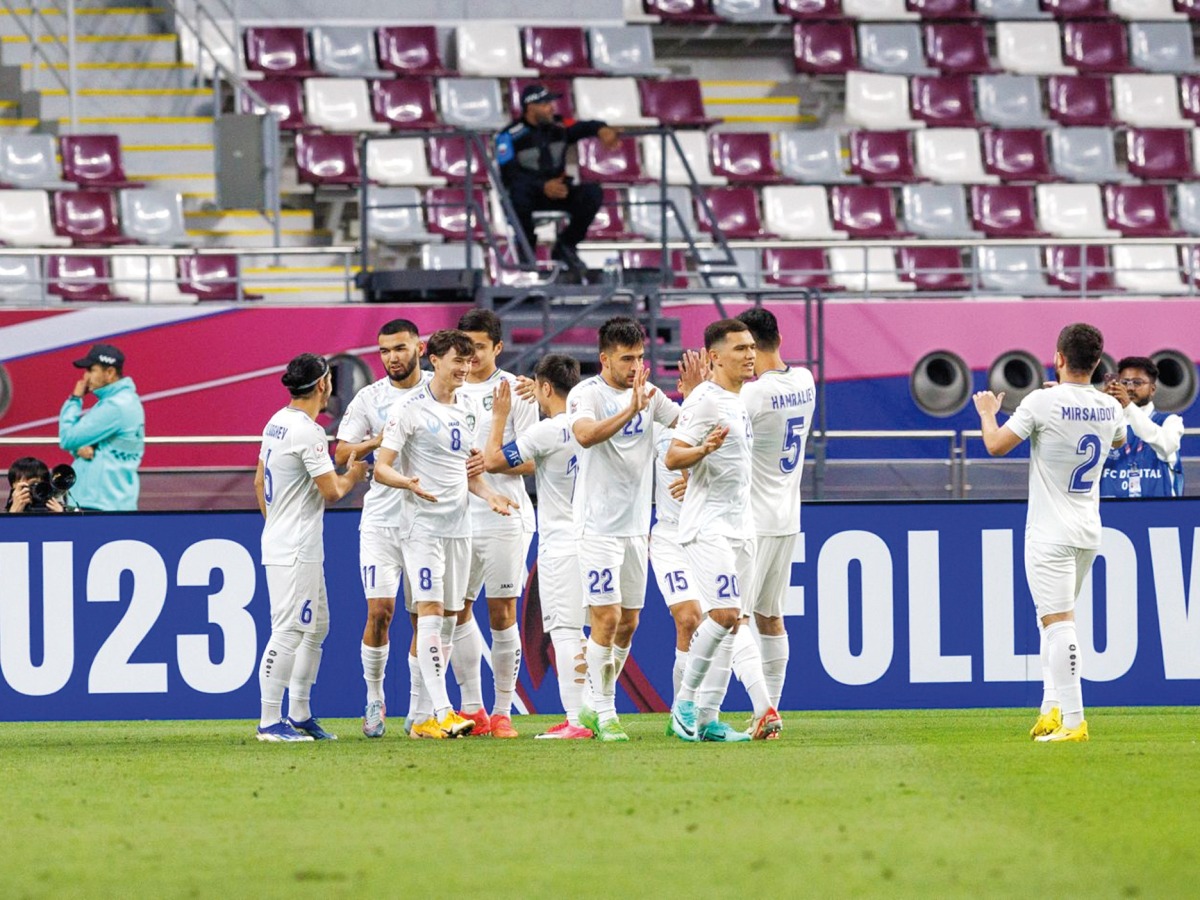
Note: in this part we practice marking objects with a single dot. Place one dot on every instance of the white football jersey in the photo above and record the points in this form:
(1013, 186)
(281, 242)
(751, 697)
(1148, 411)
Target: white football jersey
(717, 501)
(433, 441)
(615, 486)
(524, 416)
(555, 455)
(1070, 429)
(780, 403)
(666, 507)
(294, 452)
(364, 418)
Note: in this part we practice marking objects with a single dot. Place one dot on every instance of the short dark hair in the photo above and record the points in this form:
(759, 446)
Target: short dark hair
(303, 373)
(717, 331)
(483, 320)
(1081, 344)
(763, 325)
(558, 370)
(27, 467)
(399, 326)
(1145, 363)
(621, 331)
(442, 342)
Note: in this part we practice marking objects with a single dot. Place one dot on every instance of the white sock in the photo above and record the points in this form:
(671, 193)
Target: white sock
(419, 707)
(620, 654)
(747, 665)
(304, 676)
(274, 672)
(468, 651)
(707, 639)
(569, 664)
(677, 672)
(1049, 691)
(506, 663)
(602, 680)
(775, 652)
(374, 663)
(431, 658)
(1065, 669)
(715, 684)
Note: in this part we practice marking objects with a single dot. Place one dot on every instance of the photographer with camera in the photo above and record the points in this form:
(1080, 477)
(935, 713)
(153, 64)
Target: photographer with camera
(34, 488)
(109, 439)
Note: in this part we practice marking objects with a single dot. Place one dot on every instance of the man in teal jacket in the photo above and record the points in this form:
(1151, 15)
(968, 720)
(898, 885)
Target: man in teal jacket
(108, 441)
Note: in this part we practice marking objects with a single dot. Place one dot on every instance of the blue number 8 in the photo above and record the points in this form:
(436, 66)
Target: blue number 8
(425, 579)
(455, 439)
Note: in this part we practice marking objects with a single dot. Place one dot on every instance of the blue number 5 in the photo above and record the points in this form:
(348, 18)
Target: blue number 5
(1089, 447)
(793, 445)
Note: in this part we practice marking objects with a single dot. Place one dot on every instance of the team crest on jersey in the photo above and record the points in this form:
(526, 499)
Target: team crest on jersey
(487, 402)
(471, 421)
(433, 424)
(575, 406)
(610, 408)
(319, 447)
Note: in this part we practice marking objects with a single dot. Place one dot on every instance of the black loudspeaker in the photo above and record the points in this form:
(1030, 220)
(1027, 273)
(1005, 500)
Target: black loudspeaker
(1107, 366)
(940, 383)
(350, 375)
(415, 285)
(1016, 373)
(1177, 381)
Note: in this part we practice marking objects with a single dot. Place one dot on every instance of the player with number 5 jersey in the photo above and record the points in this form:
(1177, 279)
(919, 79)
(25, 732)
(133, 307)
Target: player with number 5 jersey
(1070, 426)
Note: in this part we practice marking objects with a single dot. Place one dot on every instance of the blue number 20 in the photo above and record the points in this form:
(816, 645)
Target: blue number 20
(1089, 447)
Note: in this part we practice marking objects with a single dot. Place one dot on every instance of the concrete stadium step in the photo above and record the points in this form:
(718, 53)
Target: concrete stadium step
(198, 185)
(114, 20)
(299, 283)
(753, 105)
(149, 102)
(142, 129)
(233, 221)
(98, 48)
(111, 75)
(168, 159)
(253, 230)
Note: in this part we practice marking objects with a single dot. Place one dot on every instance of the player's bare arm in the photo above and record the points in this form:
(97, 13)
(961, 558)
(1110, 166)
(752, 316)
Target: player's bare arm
(498, 502)
(998, 439)
(334, 487)
(341, 453)
(590, 432)
(494, 460)
(260, 488)
(386, 474)
(681, 456)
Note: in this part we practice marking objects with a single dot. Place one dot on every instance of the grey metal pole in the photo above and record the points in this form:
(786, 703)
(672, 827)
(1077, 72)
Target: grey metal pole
(72, 112)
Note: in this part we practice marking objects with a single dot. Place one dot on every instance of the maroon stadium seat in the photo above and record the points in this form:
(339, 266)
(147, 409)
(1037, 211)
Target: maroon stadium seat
(211, 277)
(825, 48)
(1017, 154)
(446, 209)
(1138, 210)
(957, 47)
(933, 268)
(619, 166)
(404, 103)
(1077, 9)
(944, 100)
(675, 102)
(735, 210)
(88, 217)
(86, 278)
(278, 52)
(1191, 8)
(327, 159)
(882, 156)
(798, 267)
(1189, 88)
(1161, 153)
(864, 211)
(564, 105)
(284, 97)
(94, 161)
(1080, 99)
(609, 224)
(1073, 269)
(681, 10)
(448, 158)
(942, 9)
(810, 9)
(1096, 46)
(1005, 210)
(652, 259)
(411, 50)
(744, 156)
(557, 51)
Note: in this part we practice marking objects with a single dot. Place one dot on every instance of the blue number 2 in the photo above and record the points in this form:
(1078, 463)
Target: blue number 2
(793, 445)
(1089, 447)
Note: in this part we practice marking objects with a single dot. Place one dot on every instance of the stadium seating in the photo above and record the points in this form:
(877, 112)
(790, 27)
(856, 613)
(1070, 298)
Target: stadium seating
(936, 211)
(1080, 100)
(151, 216)
(447, 211)
(624, 50)
(1076, 9)
(798, 267)
(675, 103)
(327, 159)
(933, 268)
(1143, 10)
(405, 103)
(94, 161)
(147, 280)
(559, 52)
(411, 50)
(813, 156)
(693, 145)
(621, 165)
(1072, 210)
(1017, 154)
(1147, 269)
(882, 156)
(682, 10)
(747, 10)
(825, 48)
(864, 269)
(1012, 270)
(1080, 269)
(744, 156)
(395, 216)
(810, 9)
(30, 161)
(651, 260)
(864, 211)
(891, 47)
(472, 103)
(490, 49)
(276, 52)
(951, 155)
(944, 100)
(611, 100)
(1160, 153)
(339, 104)
(1093, 46)
(798, 212)
(20, 280)
(881, 10)
(25, 220)
(400, 161)
(1010, 9)
(284, 97)
(1187, 202)
(942, 9)
(1138, 210)
(609, 224)
(1084, 154)
(1162, 47)
(346, 51)
(1030, 48)
(735, 212)
(1005, 210)
(88, 218)
(82, 278)
(957, 47)
(878, 102)
(646, 210)
(564, 105)
(1010, 101)
(1150, 101)
(448, 159)
(211, 276)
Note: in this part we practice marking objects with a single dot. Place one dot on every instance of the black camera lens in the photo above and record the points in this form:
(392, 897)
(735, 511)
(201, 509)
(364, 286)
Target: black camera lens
(40, 492)
(62, 478)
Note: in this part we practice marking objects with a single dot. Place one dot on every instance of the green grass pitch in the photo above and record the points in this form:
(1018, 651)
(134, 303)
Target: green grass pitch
(915, 804)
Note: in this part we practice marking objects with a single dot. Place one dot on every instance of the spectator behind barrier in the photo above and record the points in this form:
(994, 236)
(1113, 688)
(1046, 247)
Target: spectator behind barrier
(33, 488)
(1149, 464)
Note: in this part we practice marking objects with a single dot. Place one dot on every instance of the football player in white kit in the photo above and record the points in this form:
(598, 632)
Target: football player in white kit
(293, 481)
(780, 402)
(612, 415)
(1070, 426)
(499, 546)
(379, 555)
(430, 435)
(551, 449)
(714, 440)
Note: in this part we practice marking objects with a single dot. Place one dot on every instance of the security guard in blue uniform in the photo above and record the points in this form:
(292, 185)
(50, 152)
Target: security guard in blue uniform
(1148, 465)
(532, 156)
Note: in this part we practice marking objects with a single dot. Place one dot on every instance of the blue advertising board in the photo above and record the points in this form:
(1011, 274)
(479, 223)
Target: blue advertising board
(904, 605)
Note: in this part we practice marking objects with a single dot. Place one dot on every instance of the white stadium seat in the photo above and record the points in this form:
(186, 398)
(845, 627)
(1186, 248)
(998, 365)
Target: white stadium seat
(694, 145)
(1148, 101)
(1152, 269)
(25, 220)
(612, 100)
(491, 49)
(1030, 48)
(1072, 210)
(951, 156)
(866, 269)
(878, 102)
(339, 104)
(400, 161)
(799, 212)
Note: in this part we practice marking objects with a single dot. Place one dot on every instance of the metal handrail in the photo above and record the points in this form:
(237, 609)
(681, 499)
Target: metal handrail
(36, 50)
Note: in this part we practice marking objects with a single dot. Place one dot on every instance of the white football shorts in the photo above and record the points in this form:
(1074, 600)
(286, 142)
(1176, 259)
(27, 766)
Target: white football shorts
(672, 571)
(497, 565)
(772, 575)
(1055, 573)
(437, 570)
(298, 599)
(614, 570)
(724, 567)
(380, 560)
(560, 592)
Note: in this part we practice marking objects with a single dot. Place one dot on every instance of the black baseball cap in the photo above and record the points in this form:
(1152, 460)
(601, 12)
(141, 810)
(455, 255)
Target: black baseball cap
(101, 355)
(537, 93)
